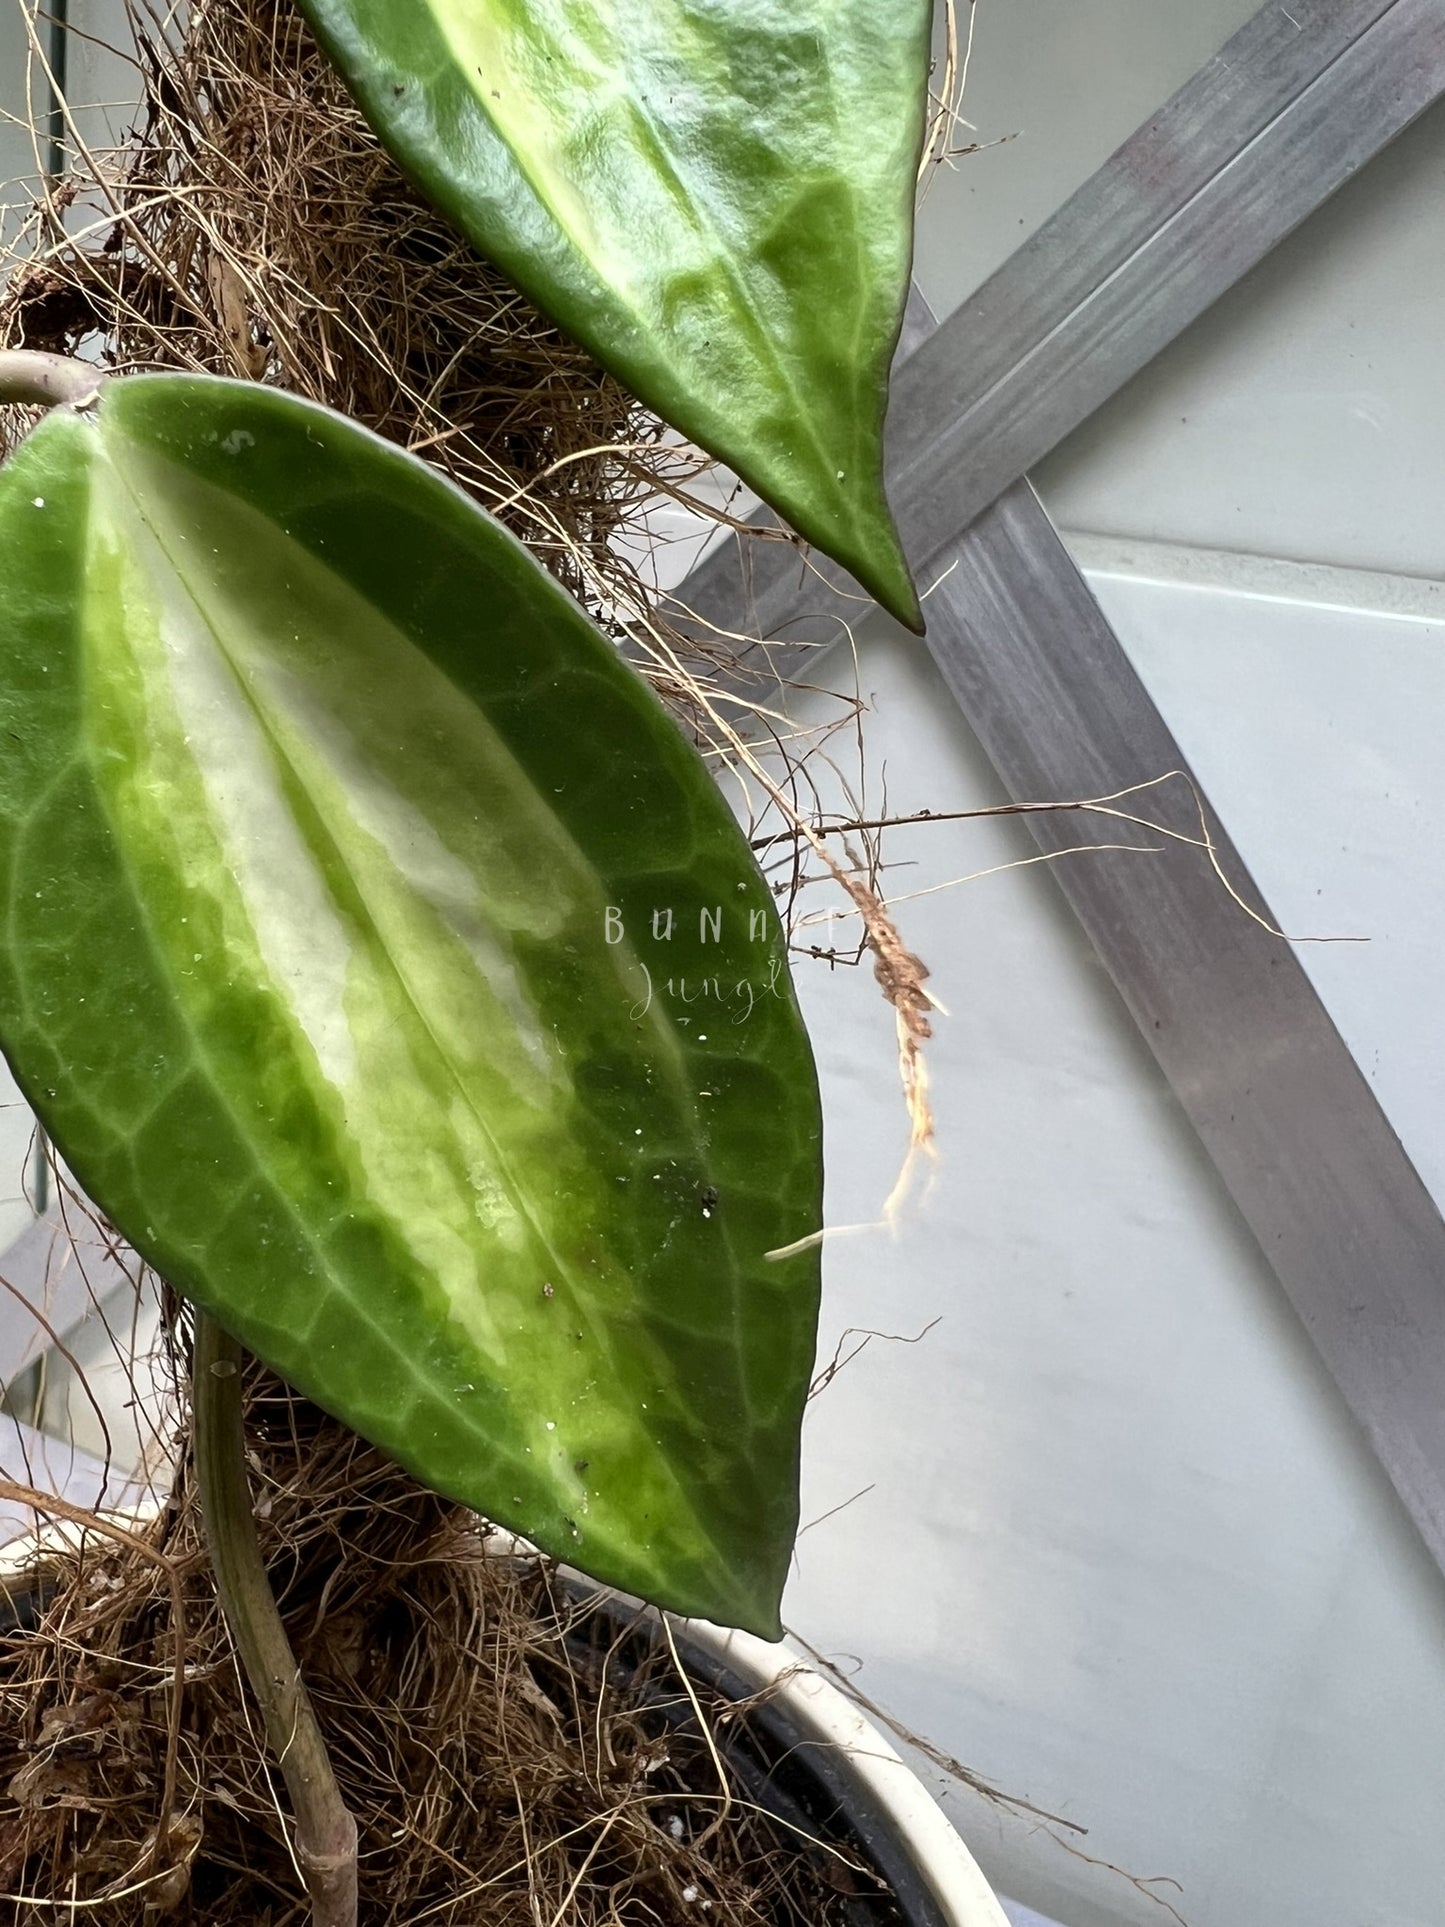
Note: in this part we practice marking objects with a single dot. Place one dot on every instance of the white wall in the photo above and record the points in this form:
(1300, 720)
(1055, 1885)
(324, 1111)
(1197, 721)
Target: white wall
(1305, 416)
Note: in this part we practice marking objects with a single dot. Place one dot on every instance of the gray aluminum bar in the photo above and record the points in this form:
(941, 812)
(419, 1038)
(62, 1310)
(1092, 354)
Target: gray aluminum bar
(1295, 103)
(1251, 1053)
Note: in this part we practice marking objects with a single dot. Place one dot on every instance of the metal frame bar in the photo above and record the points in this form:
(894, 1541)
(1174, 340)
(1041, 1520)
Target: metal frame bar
(1295, 103)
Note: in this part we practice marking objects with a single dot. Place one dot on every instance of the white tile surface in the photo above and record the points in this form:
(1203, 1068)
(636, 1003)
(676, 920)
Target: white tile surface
(1304, 415)
(1025, 1916)
(16, 1137)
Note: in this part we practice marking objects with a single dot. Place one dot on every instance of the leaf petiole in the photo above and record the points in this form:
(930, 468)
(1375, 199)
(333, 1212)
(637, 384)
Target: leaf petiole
(34, 379)
(325, 1829)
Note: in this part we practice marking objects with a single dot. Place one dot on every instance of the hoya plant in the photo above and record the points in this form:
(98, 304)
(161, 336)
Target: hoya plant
(378, 954)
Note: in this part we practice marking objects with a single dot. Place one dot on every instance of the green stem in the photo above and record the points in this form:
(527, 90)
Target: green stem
(47, 381)
(325, 1830)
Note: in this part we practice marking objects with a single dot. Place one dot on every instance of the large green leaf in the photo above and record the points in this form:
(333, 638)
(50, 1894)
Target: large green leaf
(340, 854)
(715, 196)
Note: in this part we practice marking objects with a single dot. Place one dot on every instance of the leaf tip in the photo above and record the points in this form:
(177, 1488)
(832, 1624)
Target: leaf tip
(880, 566)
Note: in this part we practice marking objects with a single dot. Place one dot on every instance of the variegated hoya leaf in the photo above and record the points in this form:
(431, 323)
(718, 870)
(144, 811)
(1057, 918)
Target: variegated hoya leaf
(714, 196)
(388, 967)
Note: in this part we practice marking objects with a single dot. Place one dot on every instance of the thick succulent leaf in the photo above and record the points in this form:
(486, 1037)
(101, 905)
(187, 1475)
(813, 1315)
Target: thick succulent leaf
(715, 196)
(341, 855)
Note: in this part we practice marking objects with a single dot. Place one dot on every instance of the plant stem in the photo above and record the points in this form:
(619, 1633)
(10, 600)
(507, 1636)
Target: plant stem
(325, 1830)
(47, 381)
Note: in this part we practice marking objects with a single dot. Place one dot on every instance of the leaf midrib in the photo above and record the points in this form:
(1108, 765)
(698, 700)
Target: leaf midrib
(579, 1298)
(802, 415)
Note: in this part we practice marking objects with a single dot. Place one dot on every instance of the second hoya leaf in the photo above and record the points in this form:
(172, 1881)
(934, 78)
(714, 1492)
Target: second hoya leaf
(715, 198)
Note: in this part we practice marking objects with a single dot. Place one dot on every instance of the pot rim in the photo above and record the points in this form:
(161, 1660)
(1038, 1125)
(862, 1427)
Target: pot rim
(944, 1863)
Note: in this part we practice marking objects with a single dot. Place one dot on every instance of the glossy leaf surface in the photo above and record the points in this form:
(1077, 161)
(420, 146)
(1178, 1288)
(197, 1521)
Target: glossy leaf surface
(714, 196)
(388, 967)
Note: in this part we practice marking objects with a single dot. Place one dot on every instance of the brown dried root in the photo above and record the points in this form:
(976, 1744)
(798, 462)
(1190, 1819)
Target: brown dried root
(902, 977)
(508, 1756)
